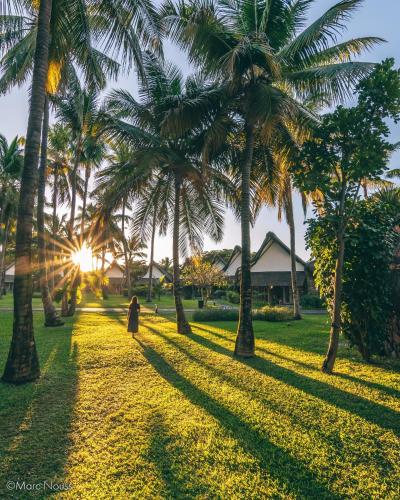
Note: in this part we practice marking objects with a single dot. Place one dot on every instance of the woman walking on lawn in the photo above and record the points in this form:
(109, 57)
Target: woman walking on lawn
(133, 315)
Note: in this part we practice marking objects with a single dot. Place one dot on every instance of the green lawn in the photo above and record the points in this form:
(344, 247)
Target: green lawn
(90, 300)
(168, 416)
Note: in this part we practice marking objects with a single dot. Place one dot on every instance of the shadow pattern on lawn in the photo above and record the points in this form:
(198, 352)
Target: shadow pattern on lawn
(36, 419)
(280, 465)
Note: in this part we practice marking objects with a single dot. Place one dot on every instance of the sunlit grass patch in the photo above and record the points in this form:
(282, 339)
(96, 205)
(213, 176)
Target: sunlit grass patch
(169, 416)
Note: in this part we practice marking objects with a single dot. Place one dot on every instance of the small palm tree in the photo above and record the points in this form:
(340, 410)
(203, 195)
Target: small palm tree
(11, 160)
(267, 63)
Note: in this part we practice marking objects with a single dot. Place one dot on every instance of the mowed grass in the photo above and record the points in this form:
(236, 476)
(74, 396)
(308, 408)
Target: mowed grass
(169, 416)
(112, 301)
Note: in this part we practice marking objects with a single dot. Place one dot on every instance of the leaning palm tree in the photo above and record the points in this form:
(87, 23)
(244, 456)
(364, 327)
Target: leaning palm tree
(183, 188)
(135, 24)
(265, 60)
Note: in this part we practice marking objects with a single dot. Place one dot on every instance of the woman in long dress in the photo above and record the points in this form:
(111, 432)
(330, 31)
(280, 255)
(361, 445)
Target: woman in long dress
(133, 315)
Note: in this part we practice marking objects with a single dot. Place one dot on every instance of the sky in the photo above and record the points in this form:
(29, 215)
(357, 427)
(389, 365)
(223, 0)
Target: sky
(375, 18)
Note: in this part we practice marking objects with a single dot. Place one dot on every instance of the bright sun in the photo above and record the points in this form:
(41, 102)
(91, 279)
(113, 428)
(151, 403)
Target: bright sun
(83, 258)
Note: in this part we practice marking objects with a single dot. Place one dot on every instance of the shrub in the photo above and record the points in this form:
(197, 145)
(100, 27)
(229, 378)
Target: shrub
(267, 313)
(273, 313)
(312, 301)
(37, 295)
(139, 291)
(204, 315)
(219, 294)
(233, 297)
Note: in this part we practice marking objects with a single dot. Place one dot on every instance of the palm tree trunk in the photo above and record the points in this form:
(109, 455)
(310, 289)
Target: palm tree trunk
(182, 323)
(54, 230)
(245, 336)
(3, 257)
(84, 201)
(127, 271)
(23, 363)
(334, 334)
(50, 314)
(153, 234)
(74, 184)
(290, 220)
(75, 280)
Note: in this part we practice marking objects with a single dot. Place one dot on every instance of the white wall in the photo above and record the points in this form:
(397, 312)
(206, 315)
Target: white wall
(157, 274)
(233, 266)
(114, 272)
(275, 258)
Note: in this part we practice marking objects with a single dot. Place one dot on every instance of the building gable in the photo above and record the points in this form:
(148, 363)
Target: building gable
(274, 258)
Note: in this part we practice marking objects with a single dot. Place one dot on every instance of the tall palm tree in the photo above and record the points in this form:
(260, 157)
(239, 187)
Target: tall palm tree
(23, 363)
(182, 187)
(131, 26)
(265, 60)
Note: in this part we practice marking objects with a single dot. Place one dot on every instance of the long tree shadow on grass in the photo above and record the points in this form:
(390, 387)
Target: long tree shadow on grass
(167, 458)
(35, 419)
(283, 468)
(390, 391)
(372, 412)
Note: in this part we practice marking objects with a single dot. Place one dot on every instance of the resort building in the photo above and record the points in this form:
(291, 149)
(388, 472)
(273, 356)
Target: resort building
(271, 271)
(157, 273)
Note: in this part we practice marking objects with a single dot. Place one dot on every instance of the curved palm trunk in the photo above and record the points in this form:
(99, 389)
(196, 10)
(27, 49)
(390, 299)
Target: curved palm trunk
(76, 279)
(127, 270)
(3, 258)
(84, 201)
(23, 363)
(54, 230)
(50, 314)
(153, 234)
(182, 323)
(245, 336)
(290, 220)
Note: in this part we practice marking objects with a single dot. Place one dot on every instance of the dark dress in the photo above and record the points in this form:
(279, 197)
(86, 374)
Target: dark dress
(133, 318)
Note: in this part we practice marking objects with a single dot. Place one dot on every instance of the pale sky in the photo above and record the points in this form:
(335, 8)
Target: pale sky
(376, 18)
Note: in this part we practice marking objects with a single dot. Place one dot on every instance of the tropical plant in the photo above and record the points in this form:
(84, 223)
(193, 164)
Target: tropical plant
(10, 170)
(350, 146)
(265, 60)
(135, 24)
(183, 189)
(203, 275)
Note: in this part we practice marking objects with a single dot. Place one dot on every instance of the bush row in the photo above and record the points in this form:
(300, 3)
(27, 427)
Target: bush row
(267, 313)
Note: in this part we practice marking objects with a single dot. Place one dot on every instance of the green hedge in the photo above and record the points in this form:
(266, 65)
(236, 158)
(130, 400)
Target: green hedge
(273, 313)
(233, 297)
(312, 301)
(267, 313)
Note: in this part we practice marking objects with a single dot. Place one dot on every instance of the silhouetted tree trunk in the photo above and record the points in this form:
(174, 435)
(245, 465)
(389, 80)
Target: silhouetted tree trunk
(50, 314)
(182, 323)
(334, 334)
(245, 336)
(3, 257)
(84, 201)
(153, 234)
(127, 270)
(23, 363)
(290, 220)
(54, 229)
(75, 279)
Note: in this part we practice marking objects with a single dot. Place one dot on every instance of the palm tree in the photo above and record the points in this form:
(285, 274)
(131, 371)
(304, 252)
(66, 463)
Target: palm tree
(265, 61)
(183, 190)
(134, 24)
(23, 363)
(11, 161)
